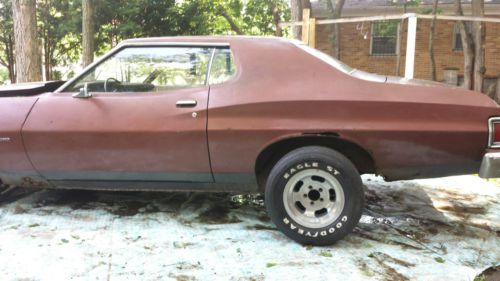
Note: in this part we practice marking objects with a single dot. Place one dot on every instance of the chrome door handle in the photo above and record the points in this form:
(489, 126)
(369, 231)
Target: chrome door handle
(186, 103)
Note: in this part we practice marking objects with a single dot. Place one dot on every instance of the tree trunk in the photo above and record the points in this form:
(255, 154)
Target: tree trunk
(28, 58)
(337, 5)
(497, 94)
(46, 59)
(230, 20)
(431, 41)
(87, 32)
(276, 18)
(468, 47)
(9, 50)
(478, 31)
(297, 8)
(47, 54)
(400, 36)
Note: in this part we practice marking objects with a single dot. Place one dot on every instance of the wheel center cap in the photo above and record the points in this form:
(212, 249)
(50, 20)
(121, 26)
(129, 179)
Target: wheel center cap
(313, 195)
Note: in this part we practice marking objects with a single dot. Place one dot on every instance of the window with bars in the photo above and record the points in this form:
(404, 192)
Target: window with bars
(385, 41)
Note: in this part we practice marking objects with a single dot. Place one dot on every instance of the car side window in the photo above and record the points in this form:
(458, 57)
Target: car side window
(148, 69)
(223, 66)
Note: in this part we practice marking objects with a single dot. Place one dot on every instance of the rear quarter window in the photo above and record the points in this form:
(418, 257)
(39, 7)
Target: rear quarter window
(223, 67)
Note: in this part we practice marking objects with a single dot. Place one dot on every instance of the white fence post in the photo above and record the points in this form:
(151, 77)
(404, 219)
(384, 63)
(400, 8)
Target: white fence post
(410, 46)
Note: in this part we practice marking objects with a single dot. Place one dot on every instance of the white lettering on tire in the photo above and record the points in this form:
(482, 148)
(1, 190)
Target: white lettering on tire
(299, 167)
(315, 234)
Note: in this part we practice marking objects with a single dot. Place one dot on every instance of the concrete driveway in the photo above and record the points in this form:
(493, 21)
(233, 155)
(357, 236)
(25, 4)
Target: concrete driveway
(440, 229)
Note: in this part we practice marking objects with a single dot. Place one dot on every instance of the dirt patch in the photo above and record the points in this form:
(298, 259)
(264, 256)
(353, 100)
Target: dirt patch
(490, 274)
(218, 214)
(364, 268)
(75, 199)
(389, 273)
(386, 257)
(261, 227)
(9, 194)
(461, 208)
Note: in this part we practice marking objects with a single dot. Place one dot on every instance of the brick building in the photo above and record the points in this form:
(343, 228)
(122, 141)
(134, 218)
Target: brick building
(373, 46)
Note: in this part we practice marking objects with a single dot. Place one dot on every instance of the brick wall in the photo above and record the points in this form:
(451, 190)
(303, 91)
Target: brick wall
(355, 50)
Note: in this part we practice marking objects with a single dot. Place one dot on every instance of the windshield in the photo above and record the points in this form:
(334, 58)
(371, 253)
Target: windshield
(326, 58)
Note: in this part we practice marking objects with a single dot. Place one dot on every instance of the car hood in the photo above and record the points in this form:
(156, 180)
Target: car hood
(29, 89)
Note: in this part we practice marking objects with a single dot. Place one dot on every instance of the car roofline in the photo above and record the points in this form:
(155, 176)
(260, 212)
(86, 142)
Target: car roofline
(172, 43)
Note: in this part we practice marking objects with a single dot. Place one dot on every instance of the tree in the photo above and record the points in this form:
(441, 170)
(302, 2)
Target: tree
(119, 19)
(336, 7)
(275, 11)
(263, 17)
(468, 47)
(297, 6)
(87, 32)
(7, 58)
(28, 62)
(431, 40)
(59, 29)
(478, 31)
(61, 26)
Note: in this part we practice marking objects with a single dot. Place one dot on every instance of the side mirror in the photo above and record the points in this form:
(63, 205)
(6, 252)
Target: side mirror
(84, 93)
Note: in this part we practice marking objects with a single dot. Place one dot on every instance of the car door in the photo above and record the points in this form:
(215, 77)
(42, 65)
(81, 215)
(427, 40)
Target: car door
(142, 117)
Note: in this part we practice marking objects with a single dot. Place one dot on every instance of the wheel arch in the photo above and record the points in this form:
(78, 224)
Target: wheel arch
(360, 157)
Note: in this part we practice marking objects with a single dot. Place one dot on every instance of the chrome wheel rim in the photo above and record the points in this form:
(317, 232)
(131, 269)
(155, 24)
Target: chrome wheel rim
(313, 198)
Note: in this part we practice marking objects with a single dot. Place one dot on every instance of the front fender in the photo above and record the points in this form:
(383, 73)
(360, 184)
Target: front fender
(15, 166)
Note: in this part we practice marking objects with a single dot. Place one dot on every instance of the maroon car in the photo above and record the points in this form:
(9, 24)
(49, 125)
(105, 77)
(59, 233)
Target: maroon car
(243, 114)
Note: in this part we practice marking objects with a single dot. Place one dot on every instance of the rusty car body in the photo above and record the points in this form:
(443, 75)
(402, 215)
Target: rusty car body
(228, 136)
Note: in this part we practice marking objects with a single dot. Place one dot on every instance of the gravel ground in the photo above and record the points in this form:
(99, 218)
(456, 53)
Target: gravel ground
(440, 229)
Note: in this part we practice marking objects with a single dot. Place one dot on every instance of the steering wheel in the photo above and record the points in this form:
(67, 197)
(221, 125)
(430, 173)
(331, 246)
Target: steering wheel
(109, 80)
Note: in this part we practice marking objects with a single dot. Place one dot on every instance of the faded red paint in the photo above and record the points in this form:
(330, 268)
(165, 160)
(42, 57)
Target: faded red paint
(13, 113)
(111, 133)
(279, 92)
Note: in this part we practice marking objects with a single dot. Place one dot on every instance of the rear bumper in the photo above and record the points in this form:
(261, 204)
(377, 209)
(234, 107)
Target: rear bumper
(490, 167)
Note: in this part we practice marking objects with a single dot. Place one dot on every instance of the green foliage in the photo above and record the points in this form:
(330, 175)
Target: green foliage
(415, 4)
(59, 28)
(60, 23)
(258, 16)
(271, 264)
(480, 278)
(117, 20)
(385, 28)
(439, 259)
(6, 36)
(406, 3)
(325, 254)
(4, 75)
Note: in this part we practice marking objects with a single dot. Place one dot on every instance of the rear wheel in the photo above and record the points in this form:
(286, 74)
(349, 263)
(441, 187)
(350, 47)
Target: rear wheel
(314, 195)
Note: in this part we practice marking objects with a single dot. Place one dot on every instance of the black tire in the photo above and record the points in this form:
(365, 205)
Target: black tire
(312, 159)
